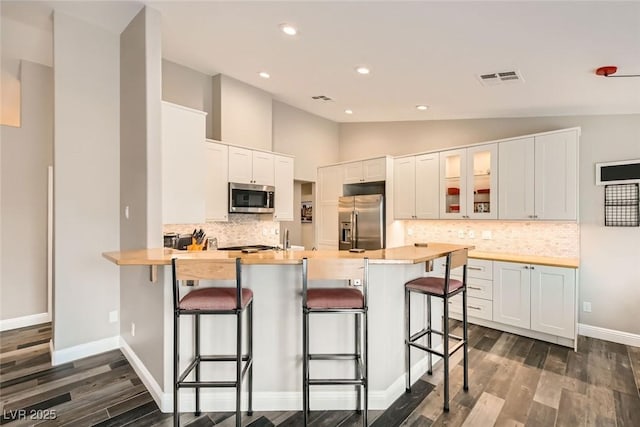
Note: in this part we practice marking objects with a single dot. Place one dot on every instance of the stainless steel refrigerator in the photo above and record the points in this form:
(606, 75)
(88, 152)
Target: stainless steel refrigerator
(361, 222)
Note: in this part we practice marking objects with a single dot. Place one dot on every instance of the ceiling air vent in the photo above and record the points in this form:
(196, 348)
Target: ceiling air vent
(500, 77)
(321, 98)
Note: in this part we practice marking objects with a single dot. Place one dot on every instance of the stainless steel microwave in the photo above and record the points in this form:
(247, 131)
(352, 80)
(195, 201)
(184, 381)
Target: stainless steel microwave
(251, 198)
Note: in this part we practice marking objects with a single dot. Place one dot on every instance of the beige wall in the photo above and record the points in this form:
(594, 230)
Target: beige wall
(184, 86)
(86, 178)
(610, 260)
(141, 302)
(311, 139)
(26, 153)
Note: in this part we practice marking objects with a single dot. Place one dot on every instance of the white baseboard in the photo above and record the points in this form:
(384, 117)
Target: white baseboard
(612, 335)
(163, 400)
(70, 354)
(321, 398)
(21, 322)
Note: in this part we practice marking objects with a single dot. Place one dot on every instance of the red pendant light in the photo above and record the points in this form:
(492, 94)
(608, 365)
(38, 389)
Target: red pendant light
(610, 70)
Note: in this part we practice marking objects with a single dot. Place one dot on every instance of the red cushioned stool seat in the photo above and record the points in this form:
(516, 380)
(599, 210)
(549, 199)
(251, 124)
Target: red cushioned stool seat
(433, 285)
(334, 298)
(214, 299)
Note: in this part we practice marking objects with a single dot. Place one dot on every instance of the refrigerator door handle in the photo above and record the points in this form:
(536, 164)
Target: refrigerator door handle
(354, 240)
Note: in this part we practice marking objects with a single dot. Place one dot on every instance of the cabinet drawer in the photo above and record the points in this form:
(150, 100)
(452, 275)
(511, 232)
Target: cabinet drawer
(476, 307)
(476, 268)
(479, 288)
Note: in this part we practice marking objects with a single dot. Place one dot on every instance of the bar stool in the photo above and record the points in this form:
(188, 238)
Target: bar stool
(336, 300)
(444, 288)
(211, 301)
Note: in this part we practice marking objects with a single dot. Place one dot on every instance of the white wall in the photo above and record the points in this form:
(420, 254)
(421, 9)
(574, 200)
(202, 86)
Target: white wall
(242, 113)
(26, 153)
(141, 302)
(184, 86)
(86, 176)
(313, 140)
(610, 260)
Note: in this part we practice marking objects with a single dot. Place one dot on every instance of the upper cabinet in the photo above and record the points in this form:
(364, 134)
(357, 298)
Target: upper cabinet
(183, 165)
(216, 197)
(329, 189)
(538, 177)
(468, 182)
(365, 171)
(250, 167)
(416, 184)
(283, 177)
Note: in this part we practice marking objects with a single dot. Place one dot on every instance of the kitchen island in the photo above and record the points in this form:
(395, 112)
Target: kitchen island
(276, 280)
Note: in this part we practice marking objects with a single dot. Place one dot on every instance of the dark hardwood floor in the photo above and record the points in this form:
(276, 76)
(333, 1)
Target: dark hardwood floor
(514, 381)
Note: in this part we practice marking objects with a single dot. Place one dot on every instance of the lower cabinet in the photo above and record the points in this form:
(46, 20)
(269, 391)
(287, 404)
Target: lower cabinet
(531, 297)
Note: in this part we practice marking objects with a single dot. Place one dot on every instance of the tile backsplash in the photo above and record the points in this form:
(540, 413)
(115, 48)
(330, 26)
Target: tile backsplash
(242, 229)
(557, 239)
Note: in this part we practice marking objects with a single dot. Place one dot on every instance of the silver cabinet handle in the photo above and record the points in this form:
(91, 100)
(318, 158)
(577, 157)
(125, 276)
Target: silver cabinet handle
(532, 267)
(473, 307)
(474, 288)
(526, 267)
(475, 268)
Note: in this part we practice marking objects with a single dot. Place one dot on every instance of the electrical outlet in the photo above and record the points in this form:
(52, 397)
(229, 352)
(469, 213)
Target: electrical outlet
(133, 329)
(471, 234)
(264, 232)
(113, 316)
(410, 231)
(486, 235)
(586, 307)
(461, 234)
(355, 282)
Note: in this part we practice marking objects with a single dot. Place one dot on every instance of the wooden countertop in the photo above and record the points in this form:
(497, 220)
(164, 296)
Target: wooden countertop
(526, 259)
(400, 255)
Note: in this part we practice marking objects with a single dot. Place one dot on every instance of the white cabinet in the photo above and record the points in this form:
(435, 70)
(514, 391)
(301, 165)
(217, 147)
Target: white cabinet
(283, 178)
(553, 300)
(479, 289)
(512, 294)
(183, 164)
(326, 215)
(468, 182)
(538, 177)
(365, 171)
(216, 188)
(416, 184)
(250, 167)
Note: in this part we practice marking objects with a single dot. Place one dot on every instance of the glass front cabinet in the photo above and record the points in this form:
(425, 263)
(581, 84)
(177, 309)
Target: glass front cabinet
(469, 182)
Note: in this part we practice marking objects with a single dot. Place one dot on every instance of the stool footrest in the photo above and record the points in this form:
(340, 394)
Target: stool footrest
(336, 381)
(452, 350)
(193, 384)
(334, 356)
(223, 358)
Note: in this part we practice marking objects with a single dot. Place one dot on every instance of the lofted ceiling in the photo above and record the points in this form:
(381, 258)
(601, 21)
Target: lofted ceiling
(419, 53)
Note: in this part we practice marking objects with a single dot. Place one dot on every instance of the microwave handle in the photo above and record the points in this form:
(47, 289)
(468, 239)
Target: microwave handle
(270, 201)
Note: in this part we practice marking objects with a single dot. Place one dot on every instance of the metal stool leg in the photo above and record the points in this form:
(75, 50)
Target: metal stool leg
(429, 342)
(250, 352)
(407, 336)
(465, 337)
(305, 367)
(366, 368)
(176, 364)
(445, 342)
(197, 355)
(238, 367)
(358, 359)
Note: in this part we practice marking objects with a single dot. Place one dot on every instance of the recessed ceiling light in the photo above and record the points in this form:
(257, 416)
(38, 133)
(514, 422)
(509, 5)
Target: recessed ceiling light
(288, 29)
(348, 111)
(363, 70)
(264, 75)
(422, 107)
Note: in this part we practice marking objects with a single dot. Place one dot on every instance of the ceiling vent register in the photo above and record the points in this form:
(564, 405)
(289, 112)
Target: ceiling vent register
(500, 77)
(321, 98)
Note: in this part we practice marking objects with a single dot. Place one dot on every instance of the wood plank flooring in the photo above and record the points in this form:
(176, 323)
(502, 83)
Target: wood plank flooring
(514, 381)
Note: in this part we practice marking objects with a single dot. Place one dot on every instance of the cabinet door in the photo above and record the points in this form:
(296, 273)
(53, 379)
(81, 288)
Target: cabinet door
(553, 296)
(240, 165)
(327, 225)
(404, 184)
(374, 170)
(183, 165)
(352, 173)
(516, 179)
(512, 293)
(427, 184)
(263, 168)
(556, 176)
(482, 182)
(329, 183)
(283, 175)
(453, 184)
(216, 182)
